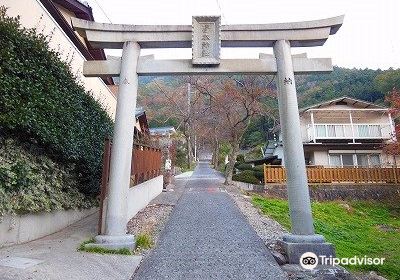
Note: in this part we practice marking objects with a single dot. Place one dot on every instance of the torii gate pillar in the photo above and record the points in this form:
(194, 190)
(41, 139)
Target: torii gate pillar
(115, 236)
(303, 238)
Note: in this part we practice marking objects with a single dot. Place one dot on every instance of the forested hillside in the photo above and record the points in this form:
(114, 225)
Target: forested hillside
(365, 84)
(341, 82)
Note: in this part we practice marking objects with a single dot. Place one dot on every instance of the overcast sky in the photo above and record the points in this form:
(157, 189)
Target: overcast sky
(369, 37)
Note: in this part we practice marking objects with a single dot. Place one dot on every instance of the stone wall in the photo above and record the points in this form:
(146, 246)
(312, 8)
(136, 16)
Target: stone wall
(332, 192)
(342, 192)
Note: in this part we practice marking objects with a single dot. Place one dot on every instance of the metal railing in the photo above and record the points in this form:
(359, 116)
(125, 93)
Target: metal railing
(317, 174)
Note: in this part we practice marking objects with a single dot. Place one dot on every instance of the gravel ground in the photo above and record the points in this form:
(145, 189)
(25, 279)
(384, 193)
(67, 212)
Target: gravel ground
(151, 220)
(267, 229)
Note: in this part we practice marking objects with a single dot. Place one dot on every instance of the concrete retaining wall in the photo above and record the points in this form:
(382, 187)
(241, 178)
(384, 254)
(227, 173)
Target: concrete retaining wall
(332, 192)
(24, 228)
(249, 187)
(343, 192)
(140, 195)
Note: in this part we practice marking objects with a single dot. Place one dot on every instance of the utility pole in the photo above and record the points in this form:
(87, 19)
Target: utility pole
(195, 148)
(188, 129)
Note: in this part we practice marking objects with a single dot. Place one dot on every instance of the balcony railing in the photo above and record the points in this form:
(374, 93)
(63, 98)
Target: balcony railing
(348, 131)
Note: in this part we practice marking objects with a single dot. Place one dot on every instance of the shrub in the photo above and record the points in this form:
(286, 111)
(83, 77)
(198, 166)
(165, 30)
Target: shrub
(240, 158)
(244, 166)
(246, 176)
(259, 168)
(32, 182)
(259, 175)
(40, 102)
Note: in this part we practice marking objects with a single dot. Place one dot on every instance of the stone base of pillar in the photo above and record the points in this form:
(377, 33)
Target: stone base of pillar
(296, 245)
(113, 242)
(320, 272)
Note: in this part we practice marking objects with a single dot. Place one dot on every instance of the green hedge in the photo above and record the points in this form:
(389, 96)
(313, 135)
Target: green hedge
(259, 168)
(246, 176)
(243, 166)
(240, 158)
(259, 175)
(32, 182)
(41, 102)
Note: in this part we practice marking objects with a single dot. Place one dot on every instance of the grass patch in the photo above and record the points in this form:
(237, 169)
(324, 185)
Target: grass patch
(103, 251)
(143, 241)
(355, 228)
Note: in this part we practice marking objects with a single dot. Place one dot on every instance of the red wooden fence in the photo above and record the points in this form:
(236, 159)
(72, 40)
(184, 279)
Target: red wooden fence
(146, 163)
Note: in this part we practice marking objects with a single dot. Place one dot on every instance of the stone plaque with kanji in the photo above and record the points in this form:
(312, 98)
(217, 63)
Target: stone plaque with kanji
(206, 40)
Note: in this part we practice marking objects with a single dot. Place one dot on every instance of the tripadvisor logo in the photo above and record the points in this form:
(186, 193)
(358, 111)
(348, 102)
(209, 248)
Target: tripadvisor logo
(309, 260)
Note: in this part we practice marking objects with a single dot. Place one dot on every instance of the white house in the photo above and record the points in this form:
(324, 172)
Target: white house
(345, 132)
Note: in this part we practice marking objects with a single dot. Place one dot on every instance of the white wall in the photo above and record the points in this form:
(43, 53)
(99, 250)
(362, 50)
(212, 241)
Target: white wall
(279, 152)
(34, 15)
(24, 228)
(304, 122)
(140, 196)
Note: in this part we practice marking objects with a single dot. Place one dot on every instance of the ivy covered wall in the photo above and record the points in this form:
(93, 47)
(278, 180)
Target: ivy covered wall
(57, 129)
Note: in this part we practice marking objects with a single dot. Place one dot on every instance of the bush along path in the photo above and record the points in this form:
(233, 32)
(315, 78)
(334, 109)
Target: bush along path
(56, 127)
(207, 237)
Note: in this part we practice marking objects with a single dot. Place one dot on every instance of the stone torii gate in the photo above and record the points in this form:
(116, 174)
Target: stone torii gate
(206, 36)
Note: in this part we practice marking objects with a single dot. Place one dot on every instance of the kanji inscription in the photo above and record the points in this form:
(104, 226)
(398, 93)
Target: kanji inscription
(206, 42)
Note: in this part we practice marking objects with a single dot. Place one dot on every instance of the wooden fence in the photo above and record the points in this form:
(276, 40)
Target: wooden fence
(146, 163)
(318, 175)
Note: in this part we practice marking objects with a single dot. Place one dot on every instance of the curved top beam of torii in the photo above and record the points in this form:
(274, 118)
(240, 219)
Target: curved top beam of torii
(300, 34)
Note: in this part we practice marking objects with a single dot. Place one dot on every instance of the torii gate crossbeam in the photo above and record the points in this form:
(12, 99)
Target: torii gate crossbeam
(206, 36)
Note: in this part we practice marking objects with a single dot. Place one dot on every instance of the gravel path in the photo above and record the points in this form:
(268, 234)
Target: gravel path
(207, 237)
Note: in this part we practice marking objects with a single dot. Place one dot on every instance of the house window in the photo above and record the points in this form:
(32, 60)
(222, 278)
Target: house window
(347, 160)
(362, 160)
(375, 130)
(374, 160)
(350, 160)
(335, 160)
(339, 130)
(363, 130)
(320, 129)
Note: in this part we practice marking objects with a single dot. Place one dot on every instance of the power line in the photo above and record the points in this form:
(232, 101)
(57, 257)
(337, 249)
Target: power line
(97, 3)
(222, 13)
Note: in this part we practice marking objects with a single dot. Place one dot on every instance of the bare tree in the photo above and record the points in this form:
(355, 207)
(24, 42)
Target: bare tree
(234, 102)
(176, 102)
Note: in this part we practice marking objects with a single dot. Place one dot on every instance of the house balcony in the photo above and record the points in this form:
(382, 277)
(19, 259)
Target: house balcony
(318, 132)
